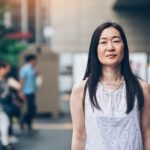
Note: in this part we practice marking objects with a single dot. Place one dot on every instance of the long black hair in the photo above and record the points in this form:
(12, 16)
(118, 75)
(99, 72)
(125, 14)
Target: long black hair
(94, 70)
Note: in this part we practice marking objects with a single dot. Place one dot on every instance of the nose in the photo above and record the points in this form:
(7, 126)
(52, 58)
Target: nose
(110, 46)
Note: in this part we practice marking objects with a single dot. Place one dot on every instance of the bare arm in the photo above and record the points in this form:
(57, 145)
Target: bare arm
(21, 94)
(21, 82)
(145, 116)
(13, 83)
(78, 119)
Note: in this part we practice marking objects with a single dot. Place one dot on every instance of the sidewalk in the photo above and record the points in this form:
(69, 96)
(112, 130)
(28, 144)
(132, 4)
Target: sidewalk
(50, 134)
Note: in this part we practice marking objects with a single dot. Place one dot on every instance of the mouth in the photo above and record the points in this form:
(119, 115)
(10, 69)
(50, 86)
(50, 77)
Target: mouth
(111, 55)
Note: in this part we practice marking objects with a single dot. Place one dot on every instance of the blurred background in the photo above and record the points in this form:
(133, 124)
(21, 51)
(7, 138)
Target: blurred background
(58, 32)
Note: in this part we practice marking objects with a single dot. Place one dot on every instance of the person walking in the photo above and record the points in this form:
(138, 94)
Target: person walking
(28, 75)
(5, 100)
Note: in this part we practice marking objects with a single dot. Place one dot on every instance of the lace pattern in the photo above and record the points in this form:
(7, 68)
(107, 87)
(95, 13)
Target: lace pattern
(111, 128)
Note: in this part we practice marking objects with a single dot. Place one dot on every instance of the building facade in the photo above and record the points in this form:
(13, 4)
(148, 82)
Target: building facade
(74, 22)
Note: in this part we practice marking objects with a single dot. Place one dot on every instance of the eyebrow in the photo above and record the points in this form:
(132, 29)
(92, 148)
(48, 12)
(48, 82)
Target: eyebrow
(104, 38)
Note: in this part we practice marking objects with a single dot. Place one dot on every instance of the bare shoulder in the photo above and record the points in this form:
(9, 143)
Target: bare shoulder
(79, 87)
(77, 92)
(146, 89)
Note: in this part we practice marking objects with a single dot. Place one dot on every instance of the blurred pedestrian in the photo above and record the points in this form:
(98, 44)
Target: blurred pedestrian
(28, 75)
(5, 98)
(13, 108)
(110, 107)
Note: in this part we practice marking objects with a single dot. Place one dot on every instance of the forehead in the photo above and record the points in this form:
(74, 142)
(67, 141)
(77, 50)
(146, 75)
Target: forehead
(110, 32)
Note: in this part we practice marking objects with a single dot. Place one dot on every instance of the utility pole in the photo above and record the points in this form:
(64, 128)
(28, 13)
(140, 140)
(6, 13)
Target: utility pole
(24, 16)
(38, 21)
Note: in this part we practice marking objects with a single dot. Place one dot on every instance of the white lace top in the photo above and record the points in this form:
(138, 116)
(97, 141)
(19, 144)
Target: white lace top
(111, 128)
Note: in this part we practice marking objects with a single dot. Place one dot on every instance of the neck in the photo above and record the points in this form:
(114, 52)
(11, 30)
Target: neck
(30, 64)
(111, 74)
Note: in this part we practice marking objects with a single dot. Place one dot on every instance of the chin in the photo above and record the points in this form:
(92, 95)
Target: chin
(112, 63)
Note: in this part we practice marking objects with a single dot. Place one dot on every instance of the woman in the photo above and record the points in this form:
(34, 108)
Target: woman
(110, 107)
(4, 119)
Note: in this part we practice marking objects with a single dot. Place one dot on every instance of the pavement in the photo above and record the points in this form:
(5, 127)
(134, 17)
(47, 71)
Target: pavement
(48, 134)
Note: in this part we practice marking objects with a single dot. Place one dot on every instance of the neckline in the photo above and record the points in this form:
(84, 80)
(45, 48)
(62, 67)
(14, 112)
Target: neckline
(110, 90)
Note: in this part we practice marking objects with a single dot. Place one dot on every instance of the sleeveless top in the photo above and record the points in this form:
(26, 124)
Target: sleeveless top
(111, 128)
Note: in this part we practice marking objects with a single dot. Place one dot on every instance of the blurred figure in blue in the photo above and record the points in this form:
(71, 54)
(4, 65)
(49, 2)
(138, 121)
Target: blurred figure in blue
(28, 75)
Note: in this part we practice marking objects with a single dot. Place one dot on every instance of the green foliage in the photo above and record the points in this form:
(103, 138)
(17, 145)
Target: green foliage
(9, 48)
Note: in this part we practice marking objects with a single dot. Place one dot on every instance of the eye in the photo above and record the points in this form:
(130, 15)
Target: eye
(116, 41)
(103, 42)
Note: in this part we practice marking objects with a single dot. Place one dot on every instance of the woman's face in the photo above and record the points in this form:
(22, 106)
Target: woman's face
(3, 71)
(111, 47)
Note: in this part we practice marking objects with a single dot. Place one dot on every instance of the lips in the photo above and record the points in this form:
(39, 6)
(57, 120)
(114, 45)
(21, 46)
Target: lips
(111, 55)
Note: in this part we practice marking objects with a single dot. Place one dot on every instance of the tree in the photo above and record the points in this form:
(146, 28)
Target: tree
(10, 48)
(11, 44)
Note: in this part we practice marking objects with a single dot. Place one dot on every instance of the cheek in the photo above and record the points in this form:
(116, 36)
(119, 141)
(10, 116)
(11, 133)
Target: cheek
(121, 53)
(100, 52)
(3, 72)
